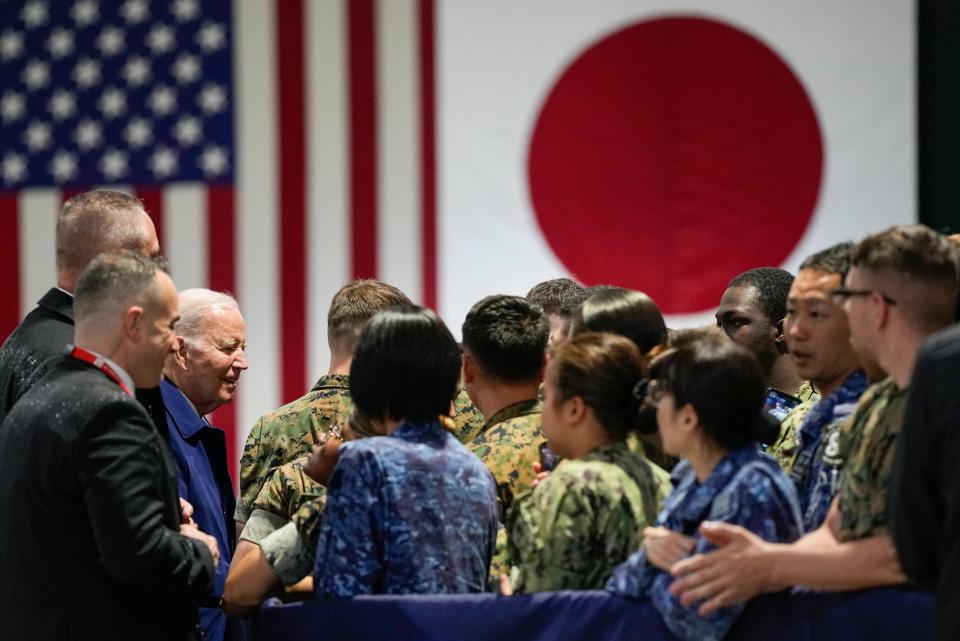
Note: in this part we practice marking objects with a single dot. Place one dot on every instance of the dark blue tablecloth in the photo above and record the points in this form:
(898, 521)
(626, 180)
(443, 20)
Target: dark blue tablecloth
(873, 615)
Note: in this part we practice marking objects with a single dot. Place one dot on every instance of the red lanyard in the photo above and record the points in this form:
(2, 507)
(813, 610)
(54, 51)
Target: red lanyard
(97, 361)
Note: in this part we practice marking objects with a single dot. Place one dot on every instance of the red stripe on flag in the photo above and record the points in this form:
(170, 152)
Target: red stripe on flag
(428, 154)
(152, 198)
(292, 198)
(221, 267)
(363, 139)
(9, 264)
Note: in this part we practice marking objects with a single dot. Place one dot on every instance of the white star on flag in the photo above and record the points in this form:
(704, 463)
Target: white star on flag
(188, 130)
(110, 41)
(113, 102)
(113, 164)
(88, 134)
(11, 45)
(63, 104)
(63, 166)
(12, 106)
(84, 12)
(14, 167)
(163, 162)
(213, 161)
(60, 43)
(37, 135)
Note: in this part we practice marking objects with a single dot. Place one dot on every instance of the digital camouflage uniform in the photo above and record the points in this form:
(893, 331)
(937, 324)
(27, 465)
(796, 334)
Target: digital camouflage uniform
(868, 441)
(784, 450)
(289, 433)
(468, 419)
(509, 445)
(746, 488)
(291, 549)
(287, 488)
(409, 513)
(584, 519)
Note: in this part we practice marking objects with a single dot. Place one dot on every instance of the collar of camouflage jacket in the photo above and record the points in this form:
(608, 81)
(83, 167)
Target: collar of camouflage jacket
(328, 381)
(521, 408)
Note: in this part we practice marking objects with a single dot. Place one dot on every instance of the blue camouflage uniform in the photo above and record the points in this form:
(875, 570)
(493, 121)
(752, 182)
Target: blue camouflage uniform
(746, 488)
(409, 513)
(816, 470)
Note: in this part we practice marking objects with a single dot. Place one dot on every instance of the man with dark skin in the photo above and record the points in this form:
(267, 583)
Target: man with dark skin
(751, 313)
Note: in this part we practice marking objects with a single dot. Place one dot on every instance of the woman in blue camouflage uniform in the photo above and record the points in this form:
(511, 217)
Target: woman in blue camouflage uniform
(708, 397)
(413, 512)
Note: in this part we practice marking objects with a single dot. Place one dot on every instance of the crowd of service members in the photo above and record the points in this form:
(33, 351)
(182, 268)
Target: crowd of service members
(570, 441)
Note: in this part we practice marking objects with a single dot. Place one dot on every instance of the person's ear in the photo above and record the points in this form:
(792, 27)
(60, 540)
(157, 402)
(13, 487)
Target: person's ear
(779, 340)
(180, 352)
(133, 323)
(574, 409)
(469, 368)
(688, 418)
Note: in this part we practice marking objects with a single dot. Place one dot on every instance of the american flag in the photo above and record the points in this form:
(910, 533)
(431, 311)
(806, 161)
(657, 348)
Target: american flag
(256, 133)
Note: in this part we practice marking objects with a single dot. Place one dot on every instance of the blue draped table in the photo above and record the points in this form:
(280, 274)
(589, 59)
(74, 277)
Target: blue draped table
(872, 615)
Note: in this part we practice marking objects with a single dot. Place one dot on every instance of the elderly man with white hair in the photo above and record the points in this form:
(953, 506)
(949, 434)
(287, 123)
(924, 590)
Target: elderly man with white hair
(200, 376)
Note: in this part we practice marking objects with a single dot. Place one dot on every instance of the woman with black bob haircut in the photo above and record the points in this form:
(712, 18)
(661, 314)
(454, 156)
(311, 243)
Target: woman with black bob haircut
(412, 512)
(708, 397)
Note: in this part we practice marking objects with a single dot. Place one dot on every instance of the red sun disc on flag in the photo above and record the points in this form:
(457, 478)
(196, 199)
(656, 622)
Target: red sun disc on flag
(671, 156)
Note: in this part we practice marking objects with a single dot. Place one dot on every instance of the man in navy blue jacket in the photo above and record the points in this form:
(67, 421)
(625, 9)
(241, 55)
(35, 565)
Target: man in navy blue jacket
(200, 376)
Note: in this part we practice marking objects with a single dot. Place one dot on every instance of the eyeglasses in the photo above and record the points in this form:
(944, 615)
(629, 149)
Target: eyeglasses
(650, 392)
(841, 295)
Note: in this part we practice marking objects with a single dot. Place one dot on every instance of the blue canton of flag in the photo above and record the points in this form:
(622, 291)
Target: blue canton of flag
(131, 92)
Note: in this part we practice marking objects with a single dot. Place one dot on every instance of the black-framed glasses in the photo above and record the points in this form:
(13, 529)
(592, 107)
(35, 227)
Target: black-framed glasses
(842, 294)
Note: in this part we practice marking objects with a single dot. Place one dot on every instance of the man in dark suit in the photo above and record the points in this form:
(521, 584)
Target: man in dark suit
(93, 539)
(89, 223)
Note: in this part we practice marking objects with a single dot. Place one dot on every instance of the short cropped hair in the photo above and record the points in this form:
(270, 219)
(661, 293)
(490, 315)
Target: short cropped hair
(356, 303)
(603, 369)
(724, 383)
(112, 282)
(194, 304)
(95, 222)
(773, 287)
(833, 260)
(507, 336)
(560, 296)
(928, 263)
(406, 366)
(625, 312)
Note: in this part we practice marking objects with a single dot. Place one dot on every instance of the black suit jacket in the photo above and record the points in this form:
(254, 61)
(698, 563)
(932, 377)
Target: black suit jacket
(44, 333)
(925, 492)
(89, 541)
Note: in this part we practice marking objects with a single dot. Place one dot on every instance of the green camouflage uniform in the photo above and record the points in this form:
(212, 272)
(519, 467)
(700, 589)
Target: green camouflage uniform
(784, 450)
(287, 488)
(584, 519)
(509, 445)
(289, 433)
(868, 441)
(468, 419)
